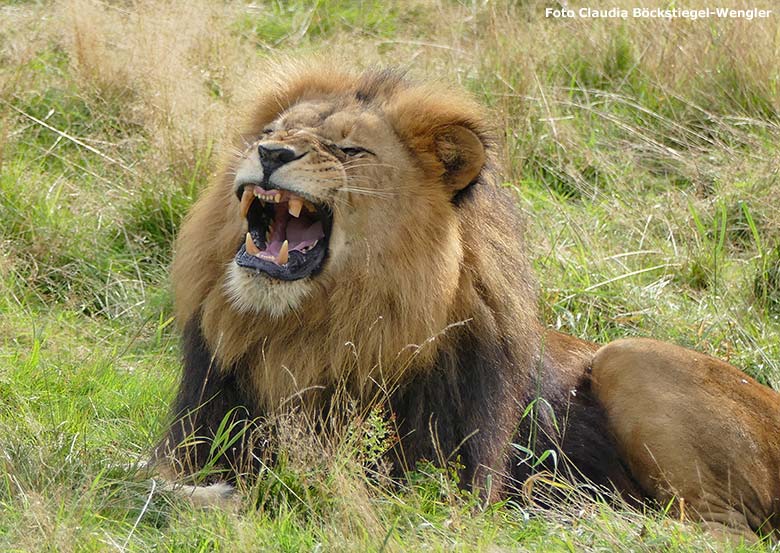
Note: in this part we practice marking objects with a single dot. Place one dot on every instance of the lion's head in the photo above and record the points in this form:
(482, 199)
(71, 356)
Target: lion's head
(345, 230)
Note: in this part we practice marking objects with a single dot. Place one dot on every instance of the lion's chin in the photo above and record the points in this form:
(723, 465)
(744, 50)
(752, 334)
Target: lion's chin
(249, 291)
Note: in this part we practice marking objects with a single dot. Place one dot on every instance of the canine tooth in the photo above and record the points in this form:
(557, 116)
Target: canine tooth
(251, 249)
(278, 198)
(294, 206)
(267, 236)
(247, 198)
(283, 254)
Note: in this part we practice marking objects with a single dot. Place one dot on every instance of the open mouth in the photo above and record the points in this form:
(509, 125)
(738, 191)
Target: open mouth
(288, 235)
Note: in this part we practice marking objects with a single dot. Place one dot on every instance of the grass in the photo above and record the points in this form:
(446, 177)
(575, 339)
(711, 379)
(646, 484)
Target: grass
(644, 152)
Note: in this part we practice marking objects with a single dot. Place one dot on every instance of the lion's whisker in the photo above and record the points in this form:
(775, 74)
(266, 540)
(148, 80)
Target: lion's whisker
(366, 162)
(366, 192)
(234, 150)
(351, 166)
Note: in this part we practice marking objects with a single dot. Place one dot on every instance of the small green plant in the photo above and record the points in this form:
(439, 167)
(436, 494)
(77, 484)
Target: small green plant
(766, 285)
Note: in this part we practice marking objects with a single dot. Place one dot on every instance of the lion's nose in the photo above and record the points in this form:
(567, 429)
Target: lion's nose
(272, 158)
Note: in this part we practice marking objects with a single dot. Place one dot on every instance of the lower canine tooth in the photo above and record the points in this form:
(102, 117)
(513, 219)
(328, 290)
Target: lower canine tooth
(251, 249)
(283, 254)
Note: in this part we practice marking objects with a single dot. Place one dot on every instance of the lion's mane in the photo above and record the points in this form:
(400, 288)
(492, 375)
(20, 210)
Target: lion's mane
(446, 327)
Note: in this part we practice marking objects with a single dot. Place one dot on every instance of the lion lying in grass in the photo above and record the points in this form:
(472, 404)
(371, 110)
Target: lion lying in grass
(358, 243)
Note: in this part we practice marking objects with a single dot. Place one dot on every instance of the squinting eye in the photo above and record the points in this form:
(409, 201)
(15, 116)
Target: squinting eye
(353, 151)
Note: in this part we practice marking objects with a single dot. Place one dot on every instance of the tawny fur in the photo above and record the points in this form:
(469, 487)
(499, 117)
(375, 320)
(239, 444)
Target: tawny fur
(366, 317)
(694, 429)
(427, 296)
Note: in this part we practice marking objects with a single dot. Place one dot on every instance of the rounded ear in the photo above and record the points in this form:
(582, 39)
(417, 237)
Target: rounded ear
(462, 154)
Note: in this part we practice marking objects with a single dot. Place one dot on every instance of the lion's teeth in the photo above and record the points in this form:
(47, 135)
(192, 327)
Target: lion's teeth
(283, 254)
(251, 249)
(310, 207)
(247, 198)
(294, 206)
(269, 196)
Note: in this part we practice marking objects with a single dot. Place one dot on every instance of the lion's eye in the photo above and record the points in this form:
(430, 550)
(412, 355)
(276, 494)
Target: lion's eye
(352, 151)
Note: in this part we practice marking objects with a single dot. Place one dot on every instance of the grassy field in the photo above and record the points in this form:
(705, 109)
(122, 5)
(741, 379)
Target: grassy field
(645, 153)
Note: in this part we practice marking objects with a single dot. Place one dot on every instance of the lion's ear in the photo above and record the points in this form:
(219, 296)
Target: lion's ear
(462, 154)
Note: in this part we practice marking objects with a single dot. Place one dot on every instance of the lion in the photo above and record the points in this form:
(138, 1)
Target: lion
(358, 239)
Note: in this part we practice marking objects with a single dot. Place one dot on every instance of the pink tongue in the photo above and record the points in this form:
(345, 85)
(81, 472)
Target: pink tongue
(300, 233)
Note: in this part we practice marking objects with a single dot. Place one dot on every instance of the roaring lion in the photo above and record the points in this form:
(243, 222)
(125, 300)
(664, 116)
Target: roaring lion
(359, 242)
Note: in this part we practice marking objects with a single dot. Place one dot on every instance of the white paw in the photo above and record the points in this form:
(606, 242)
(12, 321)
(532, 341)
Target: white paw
(214, 495)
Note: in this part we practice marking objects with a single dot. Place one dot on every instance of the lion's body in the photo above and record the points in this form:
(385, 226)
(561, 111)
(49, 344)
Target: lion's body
(426, 300)
(693, 427)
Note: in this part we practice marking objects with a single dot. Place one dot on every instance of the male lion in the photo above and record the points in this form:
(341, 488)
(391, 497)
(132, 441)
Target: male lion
(360, 243)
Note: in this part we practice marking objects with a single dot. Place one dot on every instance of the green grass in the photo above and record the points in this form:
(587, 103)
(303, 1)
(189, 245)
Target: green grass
(649, 176)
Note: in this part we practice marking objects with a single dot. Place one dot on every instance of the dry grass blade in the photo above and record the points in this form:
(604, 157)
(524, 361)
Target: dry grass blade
(73, 139)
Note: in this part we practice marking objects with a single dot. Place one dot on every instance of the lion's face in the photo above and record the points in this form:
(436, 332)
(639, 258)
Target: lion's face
(313, 188)
(324, 187)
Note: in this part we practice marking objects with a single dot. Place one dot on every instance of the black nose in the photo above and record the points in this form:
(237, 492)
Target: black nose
(273, 158)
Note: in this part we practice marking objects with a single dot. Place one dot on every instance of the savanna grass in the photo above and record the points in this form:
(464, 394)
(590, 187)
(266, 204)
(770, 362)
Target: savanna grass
(644, 152)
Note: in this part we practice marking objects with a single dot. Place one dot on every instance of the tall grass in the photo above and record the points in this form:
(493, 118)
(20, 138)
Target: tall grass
(644, 152)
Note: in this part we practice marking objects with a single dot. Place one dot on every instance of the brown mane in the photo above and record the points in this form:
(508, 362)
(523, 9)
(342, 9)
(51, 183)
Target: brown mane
(409, 306)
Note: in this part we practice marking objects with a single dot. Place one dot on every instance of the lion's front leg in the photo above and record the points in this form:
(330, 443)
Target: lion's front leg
(212, 438)
(696, 432)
